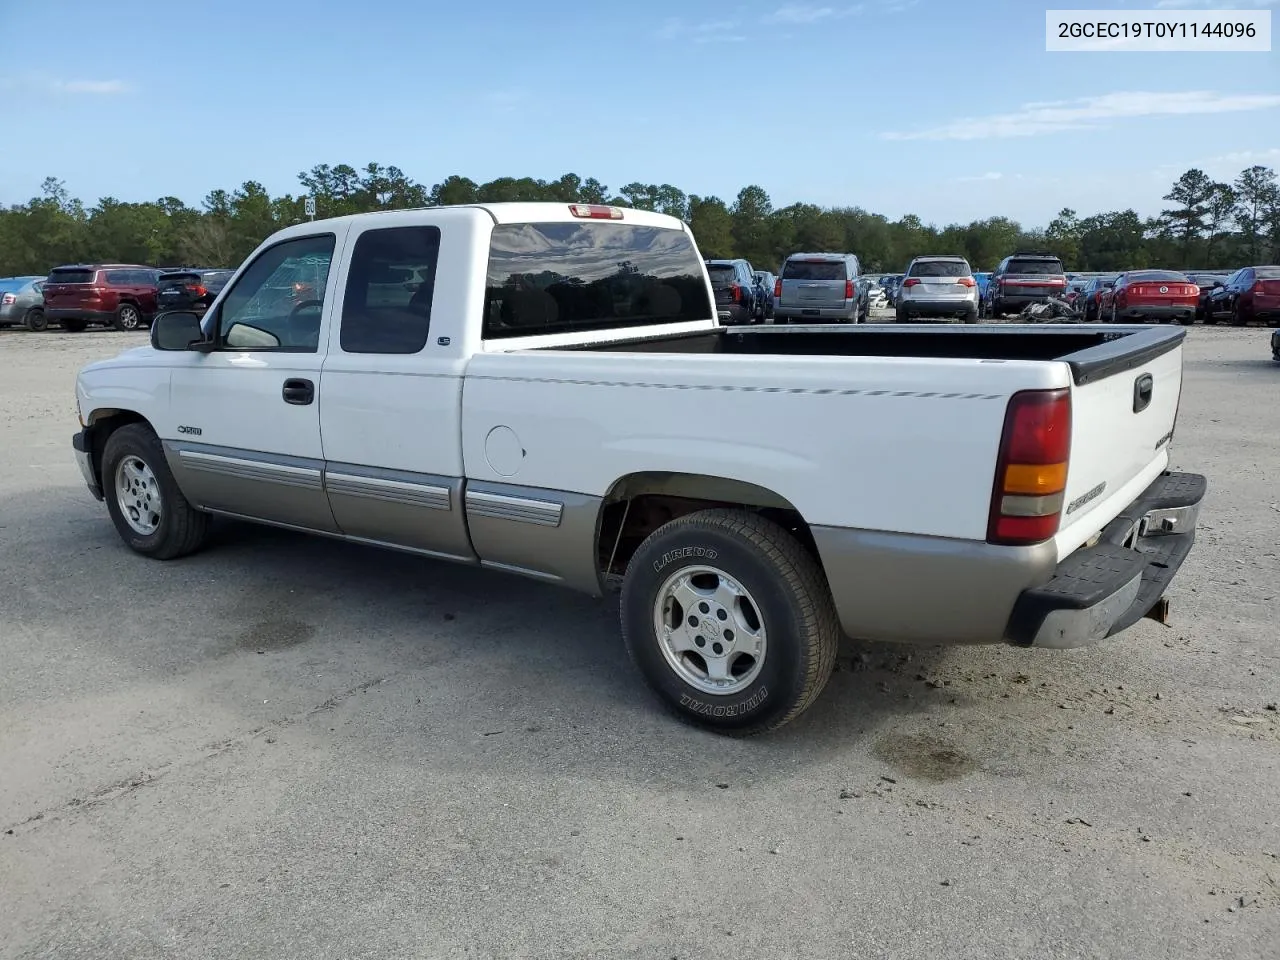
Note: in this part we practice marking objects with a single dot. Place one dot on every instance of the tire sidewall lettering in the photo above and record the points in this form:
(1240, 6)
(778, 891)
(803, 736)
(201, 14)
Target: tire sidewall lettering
(684, 553)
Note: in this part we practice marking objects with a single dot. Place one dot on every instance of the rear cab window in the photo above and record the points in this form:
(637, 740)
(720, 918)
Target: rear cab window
(813, 270)
(548, 278)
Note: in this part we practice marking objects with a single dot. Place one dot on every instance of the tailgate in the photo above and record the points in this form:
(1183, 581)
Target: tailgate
(1121, 427)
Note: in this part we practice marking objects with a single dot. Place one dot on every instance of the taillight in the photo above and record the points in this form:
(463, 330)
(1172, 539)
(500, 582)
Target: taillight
(198, 290)
(910, 281)
(595, 211)
(1031, 472)
(848, 289)
(1257, 287)
(736, 292)
(966, 281)
(8, 298)
(777, 289)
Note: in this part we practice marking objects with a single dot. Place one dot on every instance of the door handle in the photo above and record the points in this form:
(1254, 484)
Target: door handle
(1143, 388)
(300, 392)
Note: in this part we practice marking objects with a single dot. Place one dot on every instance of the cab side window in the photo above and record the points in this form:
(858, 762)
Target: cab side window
(277, 302)
(387, 304)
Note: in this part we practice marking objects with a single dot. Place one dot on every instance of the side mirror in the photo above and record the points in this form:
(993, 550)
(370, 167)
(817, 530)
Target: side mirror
(176, 330)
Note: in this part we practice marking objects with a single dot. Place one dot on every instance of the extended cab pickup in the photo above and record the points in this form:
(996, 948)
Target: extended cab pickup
(545, 389)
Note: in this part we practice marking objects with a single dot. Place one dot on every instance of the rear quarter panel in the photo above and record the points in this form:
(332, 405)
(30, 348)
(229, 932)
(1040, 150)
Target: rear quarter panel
(893, 444)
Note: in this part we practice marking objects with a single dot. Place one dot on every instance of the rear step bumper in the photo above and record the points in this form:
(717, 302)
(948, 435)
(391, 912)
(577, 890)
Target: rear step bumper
(1101, 590)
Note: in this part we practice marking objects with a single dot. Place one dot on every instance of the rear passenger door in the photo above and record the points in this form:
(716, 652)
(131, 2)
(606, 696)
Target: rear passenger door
(391, 411)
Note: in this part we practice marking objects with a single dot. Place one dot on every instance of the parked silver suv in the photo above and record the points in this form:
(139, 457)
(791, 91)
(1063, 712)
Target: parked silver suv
(818, 287)
(938, 287)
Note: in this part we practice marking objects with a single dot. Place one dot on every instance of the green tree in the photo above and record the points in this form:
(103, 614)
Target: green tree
(1256, 197)
(1063, 237)
(712, 227)
(751, 216)
(1190, 193)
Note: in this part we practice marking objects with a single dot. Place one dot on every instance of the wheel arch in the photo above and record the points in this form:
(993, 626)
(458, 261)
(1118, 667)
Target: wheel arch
(638, 503)
(101, 424)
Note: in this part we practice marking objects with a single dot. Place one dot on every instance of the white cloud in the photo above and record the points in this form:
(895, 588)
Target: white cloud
(708, 31)
(802, 13)
(1033, 119)
(989, 175)
(102, 87)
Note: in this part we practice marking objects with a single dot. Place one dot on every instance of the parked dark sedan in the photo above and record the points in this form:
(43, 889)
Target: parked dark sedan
(1250, 294)
(193, 289)
(1207, 282)
(766, 280)
(1087, 302)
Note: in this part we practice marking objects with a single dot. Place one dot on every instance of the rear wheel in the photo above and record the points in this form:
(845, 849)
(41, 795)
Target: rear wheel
(971, 315)
(35, 320)
(74, 326)
(729, 621)
(900, 315)
(128, 317)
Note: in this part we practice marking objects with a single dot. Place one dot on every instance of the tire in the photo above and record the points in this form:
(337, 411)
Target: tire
(754, 575)
(1236, 319)
(1188, 321)
(128, 317)
(900, 315)
(35, 320)
(74, 326)
(134, 471)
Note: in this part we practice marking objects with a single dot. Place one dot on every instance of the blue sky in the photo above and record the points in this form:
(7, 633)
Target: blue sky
(898, 106)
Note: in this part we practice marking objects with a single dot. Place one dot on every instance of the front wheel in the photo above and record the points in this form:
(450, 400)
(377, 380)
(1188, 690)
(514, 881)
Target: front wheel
(729, 620)
(35, 320)
(148, 510)
(1236, 319)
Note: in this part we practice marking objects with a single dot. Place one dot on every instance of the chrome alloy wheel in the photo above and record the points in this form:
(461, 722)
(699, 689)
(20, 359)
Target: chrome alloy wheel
(710, 630)
(138, 494)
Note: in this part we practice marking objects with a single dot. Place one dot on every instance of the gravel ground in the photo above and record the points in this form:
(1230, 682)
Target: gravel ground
(291, 747)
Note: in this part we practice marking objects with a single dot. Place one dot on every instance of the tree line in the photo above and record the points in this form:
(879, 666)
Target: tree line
(1208, 224)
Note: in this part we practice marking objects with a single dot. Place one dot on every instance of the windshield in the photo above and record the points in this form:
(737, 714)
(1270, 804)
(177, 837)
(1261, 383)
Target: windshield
(813, 270)
(940, 268)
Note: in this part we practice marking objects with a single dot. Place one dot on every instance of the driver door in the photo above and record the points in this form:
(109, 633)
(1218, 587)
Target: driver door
(244, 431)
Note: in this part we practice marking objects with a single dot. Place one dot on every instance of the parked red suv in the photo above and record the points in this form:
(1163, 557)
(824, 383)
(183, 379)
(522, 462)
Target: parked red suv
(120, 294)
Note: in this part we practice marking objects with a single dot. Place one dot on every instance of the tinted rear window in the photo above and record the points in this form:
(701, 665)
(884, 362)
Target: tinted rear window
(1267, 273)
(390, 287)
(1035, 266)
(559, 277)
(179, 277)
(1149, 275)
(70, 275)
(813, 270)
(721, 273)
(940, 268)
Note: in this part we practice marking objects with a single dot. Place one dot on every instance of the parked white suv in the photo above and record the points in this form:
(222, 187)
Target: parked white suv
(544, 389)
(938, 287)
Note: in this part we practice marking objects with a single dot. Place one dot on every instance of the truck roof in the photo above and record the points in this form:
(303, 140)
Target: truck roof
(538, 212)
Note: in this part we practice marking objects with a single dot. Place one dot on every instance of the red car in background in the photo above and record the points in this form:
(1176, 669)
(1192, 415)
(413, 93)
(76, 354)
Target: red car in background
(1160, 295)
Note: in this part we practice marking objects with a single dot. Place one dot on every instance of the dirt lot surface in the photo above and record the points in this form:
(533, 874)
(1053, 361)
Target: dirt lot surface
(289, 747)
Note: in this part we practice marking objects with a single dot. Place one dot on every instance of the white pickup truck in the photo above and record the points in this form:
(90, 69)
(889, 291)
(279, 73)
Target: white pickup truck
(544, 389)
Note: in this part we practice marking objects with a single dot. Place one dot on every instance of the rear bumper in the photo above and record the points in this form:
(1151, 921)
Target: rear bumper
(938, 308)
(733, 313)
(815, 314)
(82, 444)
(1147, 311)
(1016, 301)
(1103, 589)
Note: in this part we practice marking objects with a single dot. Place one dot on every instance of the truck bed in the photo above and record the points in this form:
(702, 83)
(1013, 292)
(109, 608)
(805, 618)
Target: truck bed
(1091, 352)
